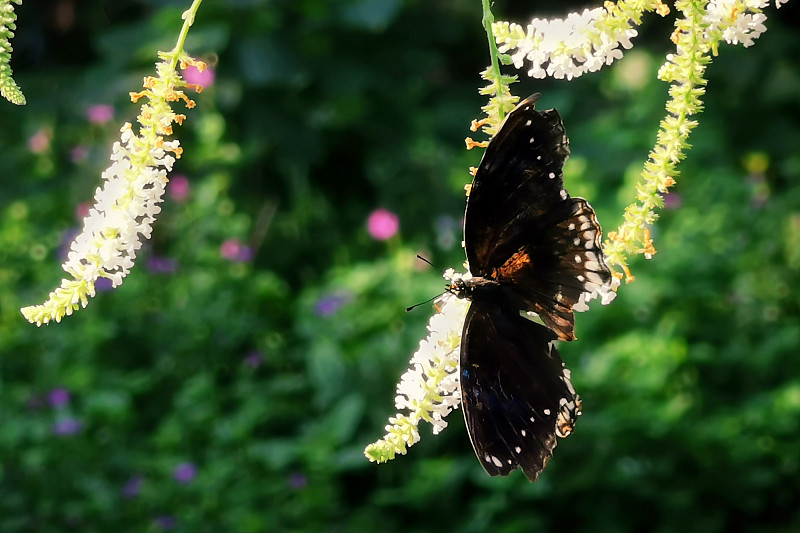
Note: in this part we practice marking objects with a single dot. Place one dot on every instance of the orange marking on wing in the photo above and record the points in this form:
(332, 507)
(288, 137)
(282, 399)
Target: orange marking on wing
(514, 264)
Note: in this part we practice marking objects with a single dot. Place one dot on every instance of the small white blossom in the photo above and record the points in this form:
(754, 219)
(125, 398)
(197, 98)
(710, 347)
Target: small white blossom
(739, 21)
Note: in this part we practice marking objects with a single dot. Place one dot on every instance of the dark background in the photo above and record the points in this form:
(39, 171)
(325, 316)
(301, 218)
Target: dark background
(320, 113)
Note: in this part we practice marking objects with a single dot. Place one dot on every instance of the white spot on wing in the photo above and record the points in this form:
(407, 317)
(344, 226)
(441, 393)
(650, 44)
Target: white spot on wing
(563, 194)
(528, 123)
(523, 433)
(496, 461)
(578, 259)
(546, 412)
(551, 175)
(594, 277)
(518, 449)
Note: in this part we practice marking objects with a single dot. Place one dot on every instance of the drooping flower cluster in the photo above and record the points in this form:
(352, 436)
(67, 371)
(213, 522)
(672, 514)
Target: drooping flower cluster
(126, 206)
(429, 390)
(8, 87)
(580, 43)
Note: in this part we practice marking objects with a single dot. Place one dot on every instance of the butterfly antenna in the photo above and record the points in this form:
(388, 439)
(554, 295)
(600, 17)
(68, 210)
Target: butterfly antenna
(426, 261)
(421, 303)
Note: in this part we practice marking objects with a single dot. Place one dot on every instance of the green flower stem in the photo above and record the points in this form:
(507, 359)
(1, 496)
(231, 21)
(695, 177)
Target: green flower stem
(501, 100)
(188, 20)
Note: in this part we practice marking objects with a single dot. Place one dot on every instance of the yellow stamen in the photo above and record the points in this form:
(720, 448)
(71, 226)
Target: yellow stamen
(472, 144)
(478, 123)
(136, 96)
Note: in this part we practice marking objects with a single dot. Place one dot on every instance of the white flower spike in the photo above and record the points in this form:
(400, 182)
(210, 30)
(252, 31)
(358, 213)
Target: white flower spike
(127, 204)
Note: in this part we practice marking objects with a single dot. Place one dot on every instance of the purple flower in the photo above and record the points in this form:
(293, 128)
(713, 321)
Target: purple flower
(67, 426)
(79, 153)
(100, 113)
(103, 285)
(162, 265)
(297, 481)
(184, 473)
(166, 522)
(66, 240)
(672, 200)
(178, 188)
(234, 250)
(447, 229)
(254, 359)
(382, 224)
(193, 75)
(132, 487)
(331, 303)
(58, 397)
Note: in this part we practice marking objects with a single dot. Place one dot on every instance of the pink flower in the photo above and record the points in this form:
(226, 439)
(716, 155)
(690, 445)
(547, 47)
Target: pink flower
(40, 141)
(382, 224)
(204, 79)
(100, 113)
(82, 211)
(235, 250)
(178, 188)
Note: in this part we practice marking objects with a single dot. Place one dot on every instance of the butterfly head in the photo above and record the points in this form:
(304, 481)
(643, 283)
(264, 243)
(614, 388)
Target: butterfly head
(459, 288)
(486, 289)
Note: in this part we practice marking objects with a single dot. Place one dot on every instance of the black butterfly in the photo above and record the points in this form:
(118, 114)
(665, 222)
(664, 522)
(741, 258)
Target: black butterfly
(530, 248)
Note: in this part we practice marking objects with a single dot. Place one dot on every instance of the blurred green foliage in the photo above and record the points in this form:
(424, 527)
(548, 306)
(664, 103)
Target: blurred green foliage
(270, 375)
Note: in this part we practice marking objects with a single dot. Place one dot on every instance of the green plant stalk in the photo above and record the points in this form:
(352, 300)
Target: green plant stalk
(188, 20)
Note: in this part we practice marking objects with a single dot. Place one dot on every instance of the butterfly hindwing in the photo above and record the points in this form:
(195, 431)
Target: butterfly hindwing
(560, 268)
(516, 394)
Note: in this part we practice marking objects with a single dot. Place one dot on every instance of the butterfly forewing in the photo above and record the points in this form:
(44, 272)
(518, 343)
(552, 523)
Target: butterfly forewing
(518, 180)
(516, 394)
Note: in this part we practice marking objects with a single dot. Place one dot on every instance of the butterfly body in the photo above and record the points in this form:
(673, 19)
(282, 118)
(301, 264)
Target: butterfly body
(531, 248)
